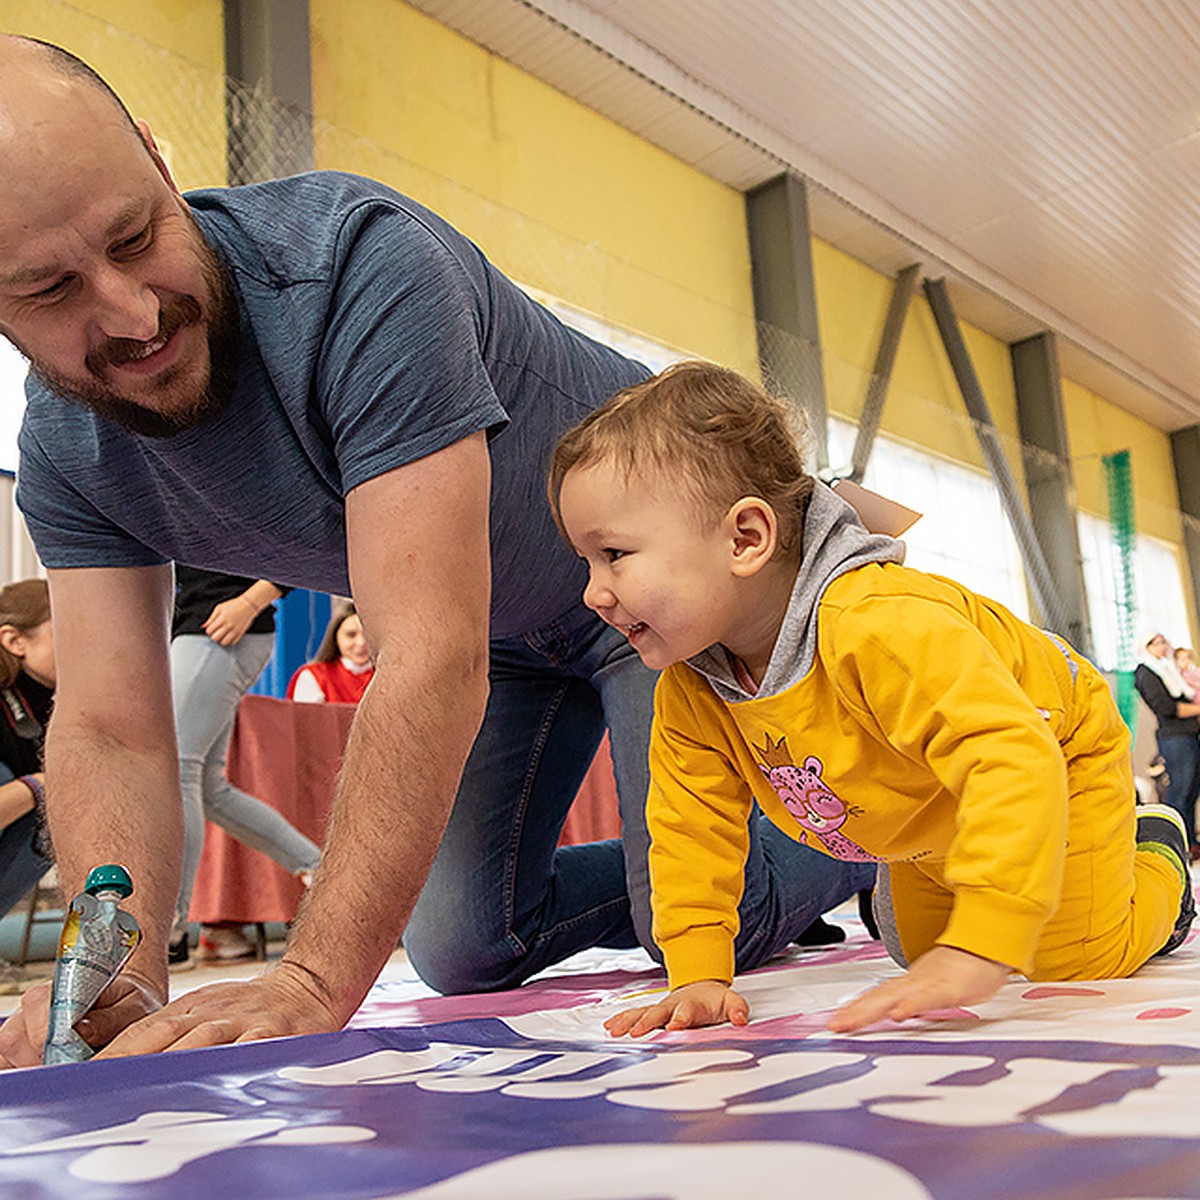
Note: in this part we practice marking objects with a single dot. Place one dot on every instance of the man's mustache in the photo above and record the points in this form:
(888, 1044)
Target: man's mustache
(175, 313)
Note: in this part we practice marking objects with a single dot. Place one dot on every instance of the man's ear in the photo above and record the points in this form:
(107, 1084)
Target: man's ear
(754, 535)
(160, 163)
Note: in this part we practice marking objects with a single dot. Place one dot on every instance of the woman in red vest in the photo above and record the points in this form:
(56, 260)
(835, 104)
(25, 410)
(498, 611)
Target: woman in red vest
(342, 668)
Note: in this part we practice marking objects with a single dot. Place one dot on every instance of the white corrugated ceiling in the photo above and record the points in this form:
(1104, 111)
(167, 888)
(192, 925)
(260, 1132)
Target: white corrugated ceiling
(1044, 155)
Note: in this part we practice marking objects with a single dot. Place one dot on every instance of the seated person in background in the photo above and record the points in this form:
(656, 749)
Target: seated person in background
(222, 635)
(27, 678)
(875, 712)
(342, 667)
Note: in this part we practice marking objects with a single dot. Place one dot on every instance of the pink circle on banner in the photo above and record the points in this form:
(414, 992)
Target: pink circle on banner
(1045, 993)
(1162, 1014)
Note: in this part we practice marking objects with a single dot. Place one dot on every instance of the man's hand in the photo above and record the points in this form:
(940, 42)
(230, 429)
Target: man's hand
(229, 620)
(708, 1002)
(285, 1001)
(943, 977)
(23, 1035)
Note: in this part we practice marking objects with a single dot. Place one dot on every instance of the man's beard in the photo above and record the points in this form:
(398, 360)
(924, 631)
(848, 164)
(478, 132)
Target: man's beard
(185, 411)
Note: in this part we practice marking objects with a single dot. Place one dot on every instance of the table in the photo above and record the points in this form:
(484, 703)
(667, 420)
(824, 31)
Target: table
(288, 754)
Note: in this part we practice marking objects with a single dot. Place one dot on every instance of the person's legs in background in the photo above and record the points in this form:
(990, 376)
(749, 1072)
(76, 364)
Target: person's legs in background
(21, 866)
(1181, 755)
(209, 681)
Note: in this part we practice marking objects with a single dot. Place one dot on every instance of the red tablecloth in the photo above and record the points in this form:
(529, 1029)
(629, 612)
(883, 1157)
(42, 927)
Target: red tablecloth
(288, 754)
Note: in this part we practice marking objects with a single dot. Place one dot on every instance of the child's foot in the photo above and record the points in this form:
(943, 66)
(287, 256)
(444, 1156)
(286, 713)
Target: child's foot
(1161, 829)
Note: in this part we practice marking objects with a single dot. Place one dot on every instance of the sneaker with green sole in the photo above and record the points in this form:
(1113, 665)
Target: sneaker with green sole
(1161, 830)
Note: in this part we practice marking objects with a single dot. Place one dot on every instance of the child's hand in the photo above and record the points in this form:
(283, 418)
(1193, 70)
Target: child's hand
(941, 978)
(705, 1003)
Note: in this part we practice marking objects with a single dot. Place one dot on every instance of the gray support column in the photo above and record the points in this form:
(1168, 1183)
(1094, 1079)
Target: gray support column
(1185, 450)
(1045, 594)
(881, 372)
(1048, 477)
(785, 301)
(268, 99)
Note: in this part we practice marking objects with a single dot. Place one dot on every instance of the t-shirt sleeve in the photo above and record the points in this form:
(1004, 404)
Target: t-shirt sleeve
(67, 529)
(401, 373)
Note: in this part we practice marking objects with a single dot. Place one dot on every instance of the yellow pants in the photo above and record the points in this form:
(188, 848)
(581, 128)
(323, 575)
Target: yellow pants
(1118, 904)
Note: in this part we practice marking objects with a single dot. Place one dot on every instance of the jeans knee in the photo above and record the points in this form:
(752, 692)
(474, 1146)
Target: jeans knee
(453, 964)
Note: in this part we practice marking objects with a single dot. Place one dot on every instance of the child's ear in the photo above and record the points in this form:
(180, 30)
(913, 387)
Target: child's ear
(754, 535)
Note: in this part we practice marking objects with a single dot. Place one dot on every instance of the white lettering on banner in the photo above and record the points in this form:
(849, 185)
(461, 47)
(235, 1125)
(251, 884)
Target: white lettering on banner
(712, 1171)
(532, 1074)
(910, 1087)
(166, 1141)
(1167, 1109)
(713, 1090)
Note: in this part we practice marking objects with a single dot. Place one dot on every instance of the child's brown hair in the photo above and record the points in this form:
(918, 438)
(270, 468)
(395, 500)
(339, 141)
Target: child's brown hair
(712, 432)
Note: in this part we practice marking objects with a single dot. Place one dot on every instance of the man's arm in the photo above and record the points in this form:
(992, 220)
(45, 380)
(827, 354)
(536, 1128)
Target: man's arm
(420, 574)
(419, 567)
(111, 768)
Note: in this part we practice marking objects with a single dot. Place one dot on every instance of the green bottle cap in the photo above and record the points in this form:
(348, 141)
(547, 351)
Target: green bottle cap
(109, 878)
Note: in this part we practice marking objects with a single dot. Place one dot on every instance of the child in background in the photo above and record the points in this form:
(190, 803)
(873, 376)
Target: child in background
(342, 667)
(875, 712)
(1185, 662)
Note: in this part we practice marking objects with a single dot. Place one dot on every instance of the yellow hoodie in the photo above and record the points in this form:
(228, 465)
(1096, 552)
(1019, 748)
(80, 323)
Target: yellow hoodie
(932, 727)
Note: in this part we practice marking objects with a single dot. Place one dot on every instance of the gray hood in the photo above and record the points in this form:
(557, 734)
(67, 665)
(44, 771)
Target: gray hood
(835, 541)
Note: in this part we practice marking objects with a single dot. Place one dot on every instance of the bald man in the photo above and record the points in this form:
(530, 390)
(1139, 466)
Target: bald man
(320, 382)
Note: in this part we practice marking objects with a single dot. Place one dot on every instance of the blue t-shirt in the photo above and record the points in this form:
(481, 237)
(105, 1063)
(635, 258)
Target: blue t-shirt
(373, 334)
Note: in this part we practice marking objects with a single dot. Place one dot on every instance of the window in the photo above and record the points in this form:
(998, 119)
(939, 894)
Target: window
(963, 534)
(1159, 599)
(12, 403)
(651, 354)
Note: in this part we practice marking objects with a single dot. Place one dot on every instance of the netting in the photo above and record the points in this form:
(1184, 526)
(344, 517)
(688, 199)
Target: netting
(1118, 471)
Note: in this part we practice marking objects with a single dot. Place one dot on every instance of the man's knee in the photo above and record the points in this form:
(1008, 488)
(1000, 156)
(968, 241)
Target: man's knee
(452, 962)
(455, 948)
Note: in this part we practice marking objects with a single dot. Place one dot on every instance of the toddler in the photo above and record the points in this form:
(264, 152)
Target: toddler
(874, 712)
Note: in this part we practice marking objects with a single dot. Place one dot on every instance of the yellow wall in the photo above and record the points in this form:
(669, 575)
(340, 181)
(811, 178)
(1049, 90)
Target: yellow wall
(165, 58)
(924, 406)
(556, 195)
(1096, 428)
(565, 200)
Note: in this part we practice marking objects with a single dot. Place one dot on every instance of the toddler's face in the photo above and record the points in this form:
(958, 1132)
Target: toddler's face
(655, 574)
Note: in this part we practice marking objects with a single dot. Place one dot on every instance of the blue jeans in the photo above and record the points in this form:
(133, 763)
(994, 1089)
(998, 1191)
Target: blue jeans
(1181, 753)
(503, 902)
(21, 866)
(209, 682)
